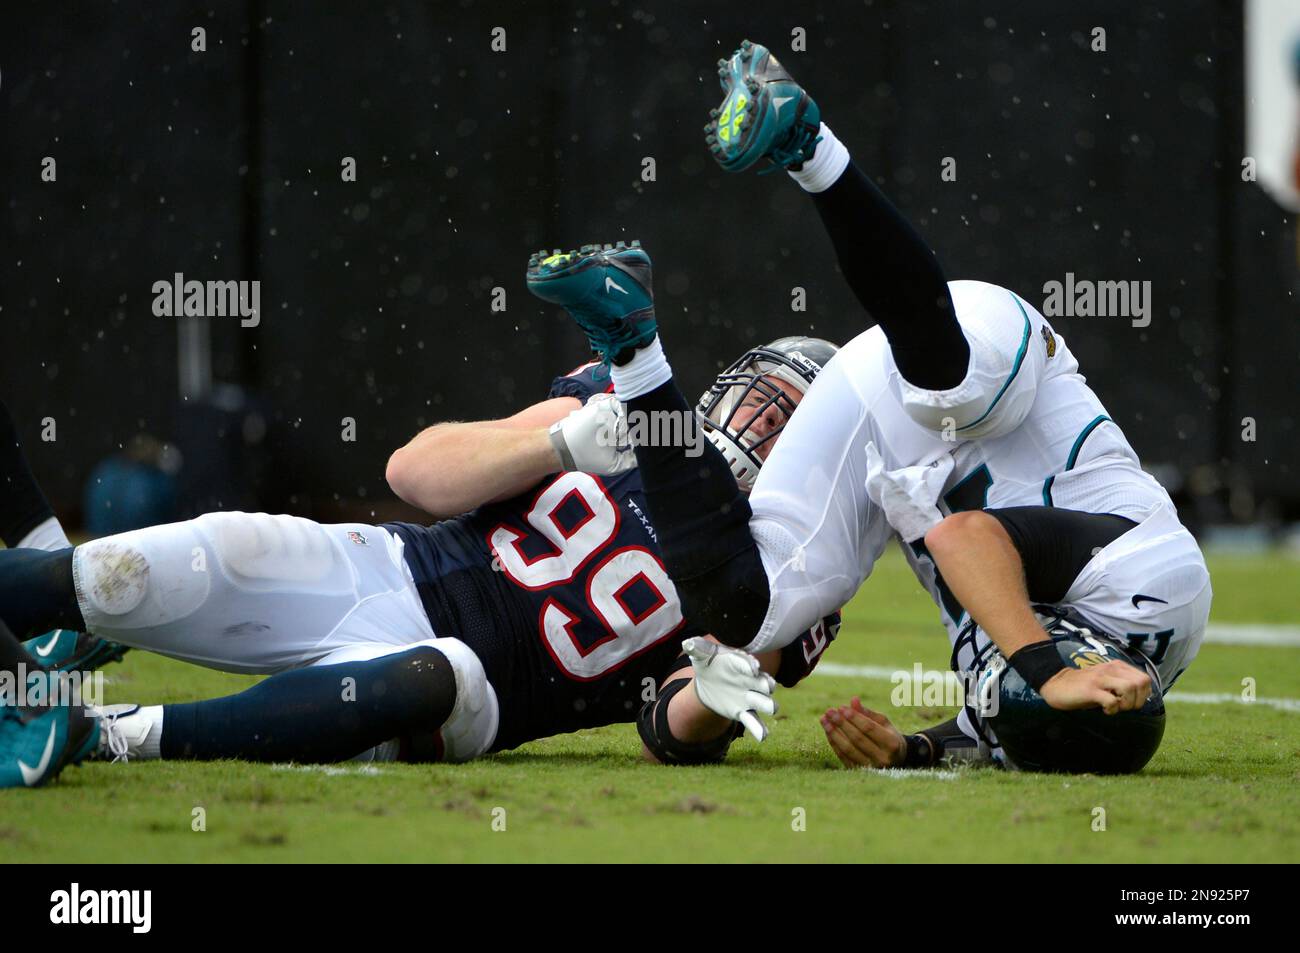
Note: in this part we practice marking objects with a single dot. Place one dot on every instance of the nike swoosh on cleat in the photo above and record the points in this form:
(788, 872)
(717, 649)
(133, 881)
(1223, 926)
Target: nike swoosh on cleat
(44, 650)
(779, 101)
(611, 283)
(1141, 598)
(32, 775)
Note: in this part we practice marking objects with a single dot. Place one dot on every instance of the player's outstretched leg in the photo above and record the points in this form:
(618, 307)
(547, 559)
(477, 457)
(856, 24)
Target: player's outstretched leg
(765, 114)
(606, 289)
(699, 513)
(36, 741)
(37, 593)
(28, 522)
(317, 715)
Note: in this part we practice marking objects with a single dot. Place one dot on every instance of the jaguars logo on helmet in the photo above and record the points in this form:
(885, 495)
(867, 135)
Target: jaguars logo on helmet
(1037, 737)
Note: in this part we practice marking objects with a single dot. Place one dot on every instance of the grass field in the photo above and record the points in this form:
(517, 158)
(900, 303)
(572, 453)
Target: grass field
(1224, 787)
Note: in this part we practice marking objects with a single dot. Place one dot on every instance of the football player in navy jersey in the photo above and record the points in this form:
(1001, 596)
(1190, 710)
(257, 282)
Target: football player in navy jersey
(537, 605)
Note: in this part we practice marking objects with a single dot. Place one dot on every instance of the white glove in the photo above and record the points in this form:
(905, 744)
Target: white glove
(910, 495)
(729, 682)
(593, 438)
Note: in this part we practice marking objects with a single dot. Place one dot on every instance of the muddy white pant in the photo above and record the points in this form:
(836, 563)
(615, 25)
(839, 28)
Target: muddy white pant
(258, 594)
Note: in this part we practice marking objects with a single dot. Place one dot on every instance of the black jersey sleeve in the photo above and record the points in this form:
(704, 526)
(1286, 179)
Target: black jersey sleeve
(583, 383)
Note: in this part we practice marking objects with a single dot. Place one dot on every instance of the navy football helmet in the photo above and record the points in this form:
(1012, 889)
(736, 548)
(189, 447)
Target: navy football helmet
(794, 360)
(1037, 737)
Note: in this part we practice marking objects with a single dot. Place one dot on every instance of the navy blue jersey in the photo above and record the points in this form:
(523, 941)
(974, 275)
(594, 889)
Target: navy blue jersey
(583, 382)
(562, 595)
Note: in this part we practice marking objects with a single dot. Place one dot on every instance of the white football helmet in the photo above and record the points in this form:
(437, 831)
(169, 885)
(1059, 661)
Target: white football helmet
(794, 360)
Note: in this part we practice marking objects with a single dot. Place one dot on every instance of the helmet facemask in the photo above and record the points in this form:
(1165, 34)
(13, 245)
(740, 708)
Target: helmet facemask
(753, 378)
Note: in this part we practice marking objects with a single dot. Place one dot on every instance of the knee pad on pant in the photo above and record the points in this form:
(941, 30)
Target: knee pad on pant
(144, 578)
(163, 574)
(111, 576)
(138, 579)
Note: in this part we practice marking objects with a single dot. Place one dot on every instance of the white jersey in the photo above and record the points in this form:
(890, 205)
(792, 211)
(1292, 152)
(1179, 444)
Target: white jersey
(1022, 429)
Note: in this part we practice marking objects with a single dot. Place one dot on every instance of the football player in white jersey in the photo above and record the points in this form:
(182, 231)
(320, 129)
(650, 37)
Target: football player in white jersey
(961, 424)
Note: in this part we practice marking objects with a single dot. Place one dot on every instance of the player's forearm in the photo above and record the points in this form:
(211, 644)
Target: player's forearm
(693, 734)
(981, 566)
(691, 721)
(452, 468)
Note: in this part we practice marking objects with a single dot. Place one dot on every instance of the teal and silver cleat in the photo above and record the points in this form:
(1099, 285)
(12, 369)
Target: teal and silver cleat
(764, 114)
(37, 743)
(606, 289)
(65, 650)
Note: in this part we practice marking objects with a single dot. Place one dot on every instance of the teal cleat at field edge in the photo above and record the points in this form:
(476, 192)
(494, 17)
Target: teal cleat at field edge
(65, 650)
(764, 113)
(38, 743)
(606, 289)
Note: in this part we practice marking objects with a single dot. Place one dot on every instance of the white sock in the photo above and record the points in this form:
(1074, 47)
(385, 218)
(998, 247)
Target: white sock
(827, 164)
(142, 732)
(49, 536)
(151, 747)
(646, 371)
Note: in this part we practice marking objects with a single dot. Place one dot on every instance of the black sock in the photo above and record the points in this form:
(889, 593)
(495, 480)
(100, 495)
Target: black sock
(23, 506)
(315, 715)
(702, 522)
(37, 593)
(12, 653)
(897, 279)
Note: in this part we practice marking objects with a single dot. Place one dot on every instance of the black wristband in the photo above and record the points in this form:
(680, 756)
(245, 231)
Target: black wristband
(920, 752)
(1037, 662)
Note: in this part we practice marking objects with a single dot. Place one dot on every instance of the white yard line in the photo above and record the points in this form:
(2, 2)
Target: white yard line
(857, 671)
(1232, 633)
(1228, 698)
(884, 673)
(353, 770)
(908, 774)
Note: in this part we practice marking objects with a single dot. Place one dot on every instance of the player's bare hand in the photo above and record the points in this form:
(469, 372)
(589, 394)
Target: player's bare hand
(1112, 686)
(862, 738)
